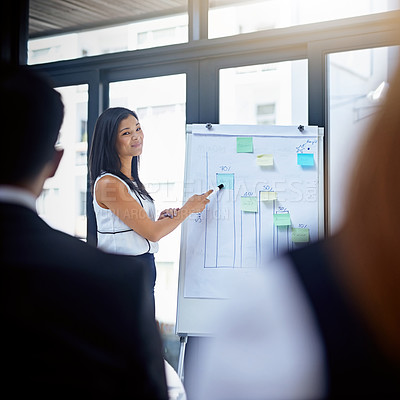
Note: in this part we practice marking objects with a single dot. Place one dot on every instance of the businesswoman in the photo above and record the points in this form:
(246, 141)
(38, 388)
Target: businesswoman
(125, 211)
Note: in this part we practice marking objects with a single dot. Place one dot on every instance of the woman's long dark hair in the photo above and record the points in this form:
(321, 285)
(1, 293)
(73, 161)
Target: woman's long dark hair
(103, 156)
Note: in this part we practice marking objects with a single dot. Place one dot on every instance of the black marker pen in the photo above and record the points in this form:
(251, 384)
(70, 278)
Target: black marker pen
(217, 189)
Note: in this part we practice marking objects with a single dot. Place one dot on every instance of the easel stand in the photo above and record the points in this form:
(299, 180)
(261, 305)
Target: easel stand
(183, 341)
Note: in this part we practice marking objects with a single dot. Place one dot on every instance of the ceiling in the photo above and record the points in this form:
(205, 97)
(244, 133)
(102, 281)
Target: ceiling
(51, 17)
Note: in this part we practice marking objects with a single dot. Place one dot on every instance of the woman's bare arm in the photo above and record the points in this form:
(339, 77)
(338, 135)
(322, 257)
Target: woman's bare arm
(112, 194)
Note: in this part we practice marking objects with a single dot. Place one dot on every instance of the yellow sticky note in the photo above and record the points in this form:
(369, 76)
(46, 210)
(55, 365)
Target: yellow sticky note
(265, 160)
(300, 235)
(268, 196)
(282, 219)
(249, 204)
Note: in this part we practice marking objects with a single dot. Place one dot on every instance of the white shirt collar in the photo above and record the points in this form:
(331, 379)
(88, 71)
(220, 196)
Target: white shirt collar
(17, 195)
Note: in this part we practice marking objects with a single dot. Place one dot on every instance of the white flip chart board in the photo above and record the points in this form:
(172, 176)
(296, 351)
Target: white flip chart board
(272, 201)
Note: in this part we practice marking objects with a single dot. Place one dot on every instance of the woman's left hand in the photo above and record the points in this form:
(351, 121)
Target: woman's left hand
(168, 213)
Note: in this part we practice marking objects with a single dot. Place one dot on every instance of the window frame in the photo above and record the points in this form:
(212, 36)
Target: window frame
(201, 59)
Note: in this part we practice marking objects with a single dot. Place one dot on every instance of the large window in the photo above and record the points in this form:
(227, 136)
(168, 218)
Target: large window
(265, 94)
(225, 18)
(358, 81)
(161, 105)
(201, 67)
(233, 17)
(137, 35)
(63, 201)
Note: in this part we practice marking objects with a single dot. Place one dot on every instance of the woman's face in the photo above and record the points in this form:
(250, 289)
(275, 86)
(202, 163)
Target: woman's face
(129, 140)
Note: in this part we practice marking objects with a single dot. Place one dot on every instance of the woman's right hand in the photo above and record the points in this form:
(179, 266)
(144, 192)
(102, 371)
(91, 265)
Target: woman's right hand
(197, 203)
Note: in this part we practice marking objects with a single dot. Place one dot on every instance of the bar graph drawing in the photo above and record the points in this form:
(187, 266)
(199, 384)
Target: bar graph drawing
(270, 202)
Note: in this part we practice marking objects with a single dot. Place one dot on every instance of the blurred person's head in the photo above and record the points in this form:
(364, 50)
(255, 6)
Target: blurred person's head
(31, 115)
(369, 235)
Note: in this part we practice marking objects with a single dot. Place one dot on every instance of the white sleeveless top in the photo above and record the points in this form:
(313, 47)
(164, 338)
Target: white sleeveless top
(113, 235)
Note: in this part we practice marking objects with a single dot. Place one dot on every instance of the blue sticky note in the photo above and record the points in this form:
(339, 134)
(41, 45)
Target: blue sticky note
(227, 180)
(305, 159)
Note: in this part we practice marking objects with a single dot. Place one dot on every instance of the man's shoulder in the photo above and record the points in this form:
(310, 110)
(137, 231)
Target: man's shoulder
(315, 253)
(74, 250)
(28, 240)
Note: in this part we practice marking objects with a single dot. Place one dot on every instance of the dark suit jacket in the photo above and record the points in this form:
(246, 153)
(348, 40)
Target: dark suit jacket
(356, 366)
(75, 321)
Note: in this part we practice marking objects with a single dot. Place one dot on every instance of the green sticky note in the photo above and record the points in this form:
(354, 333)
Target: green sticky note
(249, 204)
(244, 145)
(300, 235)
(268, 196)
(282, 219)
(265, 160)
(227, 180)
(305, 159)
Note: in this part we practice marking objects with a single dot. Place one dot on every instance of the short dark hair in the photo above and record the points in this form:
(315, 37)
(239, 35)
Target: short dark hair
(103, 156)
(31, 115)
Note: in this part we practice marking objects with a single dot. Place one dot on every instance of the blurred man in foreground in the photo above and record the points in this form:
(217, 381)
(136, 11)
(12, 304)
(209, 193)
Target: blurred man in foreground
(75, 321)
